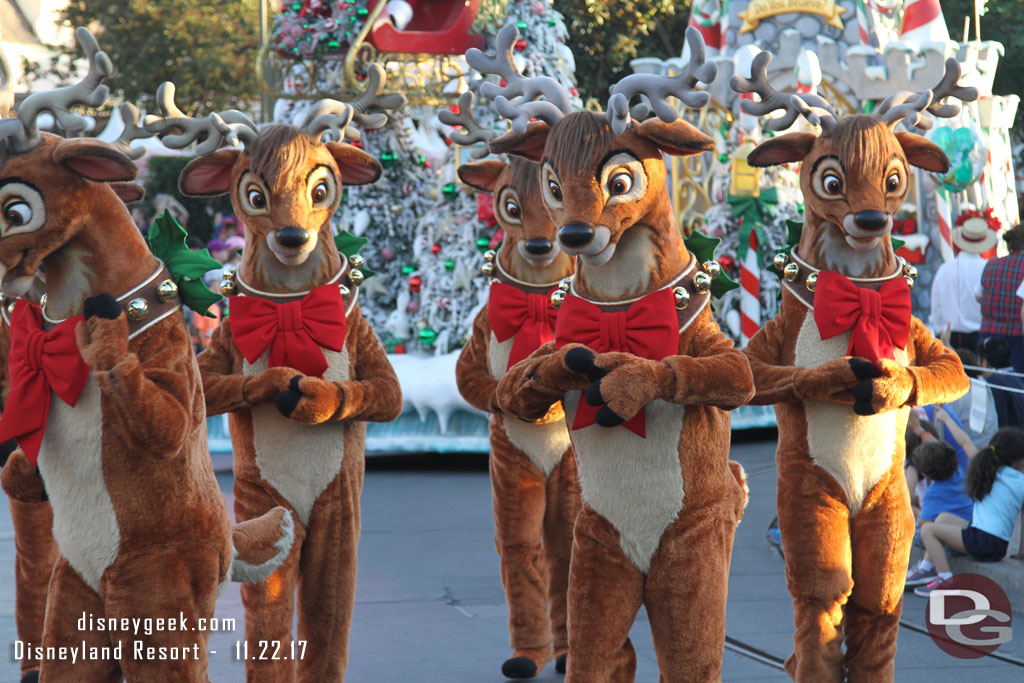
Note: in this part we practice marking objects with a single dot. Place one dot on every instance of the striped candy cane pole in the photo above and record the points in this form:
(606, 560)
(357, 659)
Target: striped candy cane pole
(705, 17)
(945, 215)
(750, 291)
(923, 22)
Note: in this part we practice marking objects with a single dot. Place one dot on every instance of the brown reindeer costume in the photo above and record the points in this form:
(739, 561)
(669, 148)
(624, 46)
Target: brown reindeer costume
(844, 362)
(295, 364)
(644, 373)
(107, 410)
(534, 485)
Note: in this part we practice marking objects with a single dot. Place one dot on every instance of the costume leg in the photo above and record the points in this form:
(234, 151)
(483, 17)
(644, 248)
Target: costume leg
(269, 604)
(35, 555)
(174, 583)
(327, 576)
(605, 592)
(563, 504)
(69, 597)
(814, 523)
(686, 593)
(518, 494)
(881, 535)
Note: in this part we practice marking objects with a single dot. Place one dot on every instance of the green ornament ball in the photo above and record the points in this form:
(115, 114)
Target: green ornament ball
(482, 243)
(449, 265)
(723, 158)
(521, 25)
(450, 191)
(408, 269)
(427, 336)
(388, 159)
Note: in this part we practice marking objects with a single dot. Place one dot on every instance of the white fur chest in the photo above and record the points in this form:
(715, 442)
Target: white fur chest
(298, 460)
(857, 450)
(543, 444)
(634, 483)
(71, 463)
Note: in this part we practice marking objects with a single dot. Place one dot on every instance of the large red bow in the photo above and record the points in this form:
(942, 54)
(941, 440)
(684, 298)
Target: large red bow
(295, 331)
(878, 320)
(649, 328)
(530, 318)
(40, 363)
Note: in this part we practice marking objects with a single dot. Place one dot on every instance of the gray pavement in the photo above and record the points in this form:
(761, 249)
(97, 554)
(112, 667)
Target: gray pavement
(430, 606)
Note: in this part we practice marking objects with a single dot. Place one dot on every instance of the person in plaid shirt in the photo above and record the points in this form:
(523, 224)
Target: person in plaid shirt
(998, 293)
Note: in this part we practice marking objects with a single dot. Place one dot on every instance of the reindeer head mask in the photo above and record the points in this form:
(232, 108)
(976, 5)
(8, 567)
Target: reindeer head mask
(856, 174)
(600, 174)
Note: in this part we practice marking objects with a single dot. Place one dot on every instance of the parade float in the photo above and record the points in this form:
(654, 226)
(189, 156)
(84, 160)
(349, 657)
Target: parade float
(427, 232)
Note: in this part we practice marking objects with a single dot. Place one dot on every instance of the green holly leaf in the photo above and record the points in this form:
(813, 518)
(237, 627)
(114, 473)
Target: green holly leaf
(704, 247)
(897, 243)
(166, 239)
(349, 245)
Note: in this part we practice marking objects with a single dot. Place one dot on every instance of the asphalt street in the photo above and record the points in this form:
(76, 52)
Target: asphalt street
(430, 608)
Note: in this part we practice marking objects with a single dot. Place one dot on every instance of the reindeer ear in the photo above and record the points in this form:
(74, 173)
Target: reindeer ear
(529, 145)
(94, 160)
(678, 138)
(923, 153)
(783, 149)
(128, 192)
(482, 175)
(209, 176)
(356, 166)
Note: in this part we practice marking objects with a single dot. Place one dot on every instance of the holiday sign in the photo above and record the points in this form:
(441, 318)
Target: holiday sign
(761, 9)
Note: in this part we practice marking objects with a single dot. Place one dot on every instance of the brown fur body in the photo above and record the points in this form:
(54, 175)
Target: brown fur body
(312, 460)
(659, 513)
(844, 510)
(534, 482)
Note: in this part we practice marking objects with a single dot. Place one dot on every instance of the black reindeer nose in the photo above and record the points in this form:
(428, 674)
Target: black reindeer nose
(871, 219)
(538, 246)
(575, 234)
(292, 237)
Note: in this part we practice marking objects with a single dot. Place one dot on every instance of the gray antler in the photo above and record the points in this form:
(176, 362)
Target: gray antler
(659, 88)
(518, 99)
(793, 104)
(132, 131)
(89, 91)
(911, 106)
(178, 130)
(335, 116)
(473, 131)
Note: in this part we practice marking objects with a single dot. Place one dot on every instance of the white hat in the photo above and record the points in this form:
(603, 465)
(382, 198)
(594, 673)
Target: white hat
(974, 236)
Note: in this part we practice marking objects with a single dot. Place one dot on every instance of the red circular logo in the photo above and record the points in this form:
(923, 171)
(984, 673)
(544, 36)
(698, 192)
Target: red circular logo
(969, 616)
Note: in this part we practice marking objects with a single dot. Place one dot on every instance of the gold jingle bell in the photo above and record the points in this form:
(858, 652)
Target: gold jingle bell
(565, 284)
(357, 261)
(910, 281)
(167, 290)
(712, 268)
(910, 271)
(227, 287)
(790, 272)
(490, 255)
(557, 297)
(228, 273)
(702, 282)
(682, 297)
(780, 261)
(356, 276)
(42, 303)
(137, 309)
(345, 291)
(487, 268)
(811, 282)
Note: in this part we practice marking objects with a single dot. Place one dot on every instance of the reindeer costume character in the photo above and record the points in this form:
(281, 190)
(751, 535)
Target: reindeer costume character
(844, 362)
(107, 409)
(295, 363)
(644, 373)
(534, 485)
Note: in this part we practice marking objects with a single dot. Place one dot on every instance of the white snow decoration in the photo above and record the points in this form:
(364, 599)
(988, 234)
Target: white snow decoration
(397, 322)
(360, 222)
(428, 384)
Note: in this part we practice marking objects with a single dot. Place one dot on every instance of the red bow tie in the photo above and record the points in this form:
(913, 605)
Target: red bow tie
(648, 328)
(40, 363)
(294, 331)
(530, 318)
(878, 320)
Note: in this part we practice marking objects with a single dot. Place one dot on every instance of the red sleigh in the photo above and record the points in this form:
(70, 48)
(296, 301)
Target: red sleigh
(440, 27)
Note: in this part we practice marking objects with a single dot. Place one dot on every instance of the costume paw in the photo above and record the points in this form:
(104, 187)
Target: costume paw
(888, 390)
(519, 667)
(309, 400)
(21, 480)
(103, 336)
(831, 381)
(550, 367)
(561, 662)
(624, 384)
(268, 384)
(31, 676)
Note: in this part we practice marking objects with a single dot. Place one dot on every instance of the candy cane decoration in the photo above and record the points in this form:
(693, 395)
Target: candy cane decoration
(945, 217)
(750, 291)
(923, 22)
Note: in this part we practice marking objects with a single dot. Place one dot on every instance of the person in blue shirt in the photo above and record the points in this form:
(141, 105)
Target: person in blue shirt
(995, 481)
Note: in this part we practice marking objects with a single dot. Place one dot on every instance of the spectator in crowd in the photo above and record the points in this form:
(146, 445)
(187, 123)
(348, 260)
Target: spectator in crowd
(995, 482)
(976, 410)
(1007, 390)
(194, 242)
(1001, 307)
(955, 306)
(918, 431)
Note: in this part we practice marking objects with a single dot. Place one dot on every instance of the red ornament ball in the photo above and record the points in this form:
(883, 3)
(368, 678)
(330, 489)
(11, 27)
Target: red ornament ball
(520, 45)
(435, 249)
(415, 283)
(727, 262)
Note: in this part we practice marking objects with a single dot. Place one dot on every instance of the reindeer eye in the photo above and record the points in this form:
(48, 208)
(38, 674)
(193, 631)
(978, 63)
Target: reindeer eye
(319, 193)
(257, 199)
(620, 183)
(513, 210)
(17, 213)
(892, 183)
(555, 190)
(832, 184)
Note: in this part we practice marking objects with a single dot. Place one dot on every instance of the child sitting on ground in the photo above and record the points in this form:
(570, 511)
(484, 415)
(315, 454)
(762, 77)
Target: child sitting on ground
(995, 481)
(918, 431)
